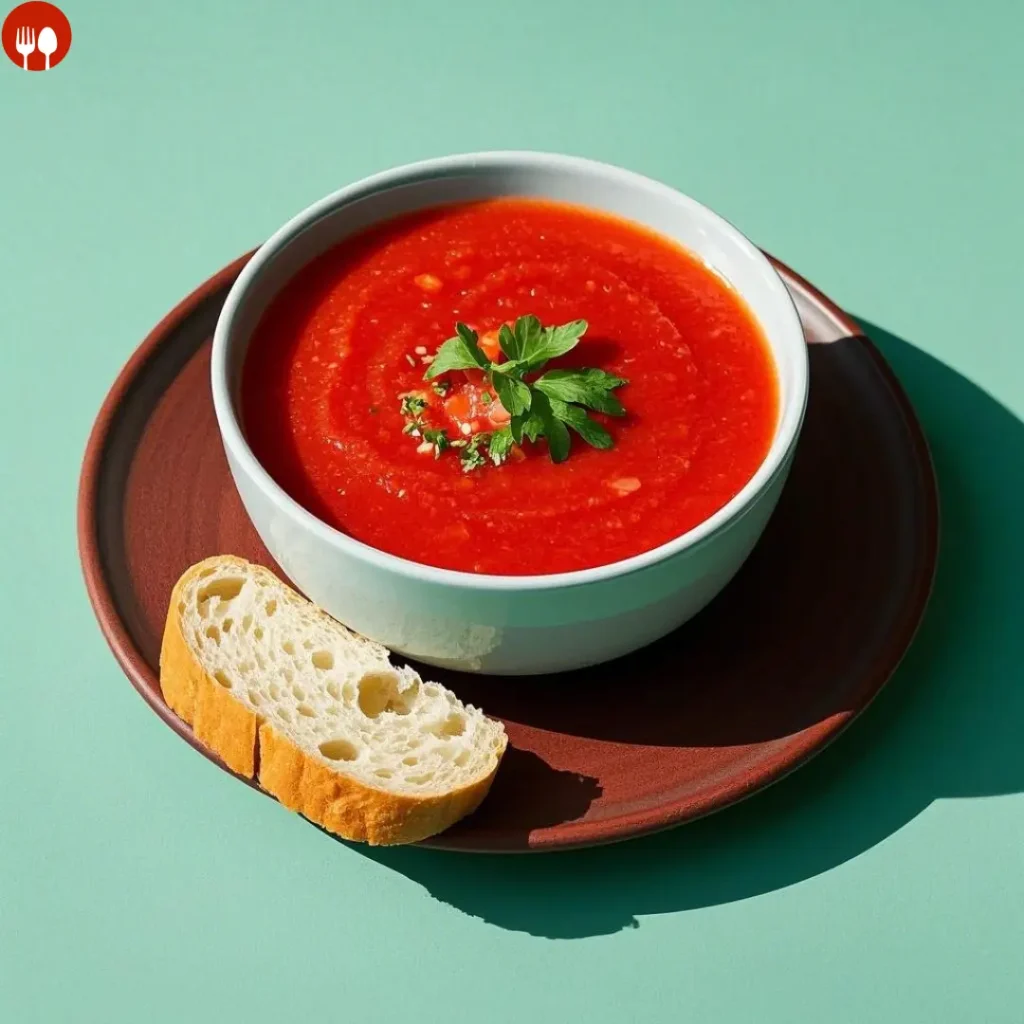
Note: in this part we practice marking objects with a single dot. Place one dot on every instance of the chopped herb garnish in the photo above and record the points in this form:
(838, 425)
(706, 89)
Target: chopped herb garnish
(413, 405)
(545, 407)
(441, 387)
(437, 438)
(475, 452)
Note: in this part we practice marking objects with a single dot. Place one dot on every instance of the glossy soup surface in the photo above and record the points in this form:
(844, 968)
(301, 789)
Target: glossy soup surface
(336, 350)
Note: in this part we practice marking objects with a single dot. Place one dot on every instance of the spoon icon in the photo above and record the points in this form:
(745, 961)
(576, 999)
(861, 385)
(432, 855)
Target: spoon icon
(47, 43)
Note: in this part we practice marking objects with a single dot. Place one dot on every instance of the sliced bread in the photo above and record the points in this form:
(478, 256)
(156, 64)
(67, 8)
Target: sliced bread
(319, 716)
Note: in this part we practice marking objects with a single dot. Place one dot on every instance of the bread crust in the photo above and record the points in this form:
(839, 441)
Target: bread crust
(350, 809)
(251, 747)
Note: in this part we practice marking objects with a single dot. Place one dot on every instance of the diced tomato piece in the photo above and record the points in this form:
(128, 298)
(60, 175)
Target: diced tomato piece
(497, 414)
(476, 405)
(459, 406)
(490, 345)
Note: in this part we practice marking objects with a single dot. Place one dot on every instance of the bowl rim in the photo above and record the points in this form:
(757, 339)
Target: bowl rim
(775, 461)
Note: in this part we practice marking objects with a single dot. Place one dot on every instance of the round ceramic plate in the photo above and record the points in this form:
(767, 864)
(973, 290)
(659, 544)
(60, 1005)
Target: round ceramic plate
(796, 646)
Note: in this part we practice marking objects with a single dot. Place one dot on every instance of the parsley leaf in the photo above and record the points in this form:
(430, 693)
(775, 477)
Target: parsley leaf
(591, 388)
(542, 416)
(509, 344)
(528, 425)
(521, 340)
(590, 430)
(515, 427)
(459, 353)
(514, 394)
(551, 343)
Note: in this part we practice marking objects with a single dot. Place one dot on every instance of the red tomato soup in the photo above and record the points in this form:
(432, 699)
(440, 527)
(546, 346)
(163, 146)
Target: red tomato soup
(354, 332)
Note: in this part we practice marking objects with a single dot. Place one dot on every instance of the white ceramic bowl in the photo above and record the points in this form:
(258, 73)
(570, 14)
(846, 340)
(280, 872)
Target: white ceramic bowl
(510, 624)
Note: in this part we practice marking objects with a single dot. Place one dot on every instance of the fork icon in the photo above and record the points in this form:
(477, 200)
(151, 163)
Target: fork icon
(25, 43)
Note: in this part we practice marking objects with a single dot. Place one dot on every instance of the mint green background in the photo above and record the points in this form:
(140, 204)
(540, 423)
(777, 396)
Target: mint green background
(878, 147)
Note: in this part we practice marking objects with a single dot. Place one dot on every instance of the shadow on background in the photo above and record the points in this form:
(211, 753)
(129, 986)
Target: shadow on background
(949, 724)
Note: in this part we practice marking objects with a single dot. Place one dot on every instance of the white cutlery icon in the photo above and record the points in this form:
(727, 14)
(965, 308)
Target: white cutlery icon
(25, 43)
(47, 44)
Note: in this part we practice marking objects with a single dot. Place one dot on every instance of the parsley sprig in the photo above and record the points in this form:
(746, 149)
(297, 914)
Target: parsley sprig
(548, 406)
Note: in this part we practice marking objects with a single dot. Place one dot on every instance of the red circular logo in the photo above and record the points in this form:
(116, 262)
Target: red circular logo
(36, 36)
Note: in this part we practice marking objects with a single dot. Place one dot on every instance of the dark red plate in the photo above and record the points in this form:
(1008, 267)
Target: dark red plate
(775, 668)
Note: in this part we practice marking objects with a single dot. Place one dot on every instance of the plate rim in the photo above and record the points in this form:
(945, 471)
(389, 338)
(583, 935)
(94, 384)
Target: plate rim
(569, 835)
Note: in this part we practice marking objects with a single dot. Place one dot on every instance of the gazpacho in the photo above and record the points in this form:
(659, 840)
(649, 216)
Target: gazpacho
(510, 387)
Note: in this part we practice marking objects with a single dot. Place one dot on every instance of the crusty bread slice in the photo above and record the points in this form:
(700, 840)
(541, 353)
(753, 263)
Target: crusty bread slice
(285, 694)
